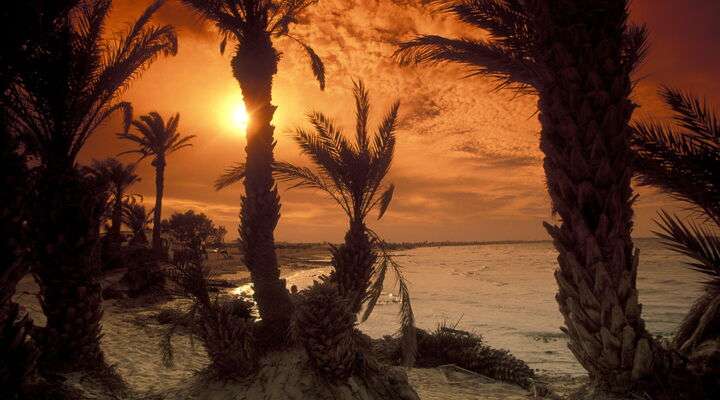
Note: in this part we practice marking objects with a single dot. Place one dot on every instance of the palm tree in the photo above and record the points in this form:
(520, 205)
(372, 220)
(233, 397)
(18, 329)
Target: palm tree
(578, 59)
(137, 219)
(353, 175)
(119, 177)
(253, 24)
(21, 25)
(62, 95)
(685, 163)
(157, 139)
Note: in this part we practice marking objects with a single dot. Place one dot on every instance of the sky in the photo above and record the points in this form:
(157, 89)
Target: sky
(467, 165)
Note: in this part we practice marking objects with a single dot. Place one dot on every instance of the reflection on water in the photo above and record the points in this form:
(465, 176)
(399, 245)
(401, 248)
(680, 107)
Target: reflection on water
(506, 293)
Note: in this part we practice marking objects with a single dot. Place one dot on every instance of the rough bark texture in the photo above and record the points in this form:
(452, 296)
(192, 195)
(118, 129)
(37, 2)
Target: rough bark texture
(66, 245)
(353, 263)
(254, 66)
(159, 164)
(584, 112)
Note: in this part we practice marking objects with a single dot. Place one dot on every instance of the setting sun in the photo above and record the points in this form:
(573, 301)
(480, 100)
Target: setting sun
(239, 117)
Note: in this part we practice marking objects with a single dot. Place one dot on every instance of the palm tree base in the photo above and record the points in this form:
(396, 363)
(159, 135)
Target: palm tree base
(289, 375)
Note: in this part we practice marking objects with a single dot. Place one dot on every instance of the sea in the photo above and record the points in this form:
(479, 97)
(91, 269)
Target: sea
(506, 294)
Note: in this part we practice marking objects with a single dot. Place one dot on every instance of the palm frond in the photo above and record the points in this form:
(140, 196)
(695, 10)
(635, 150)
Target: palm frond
(231, 176)
(384, 200)
(678, 162)
(482, 58)
(693, 114)
(635, 46)
(506, 21)
(408, 336)
(362, 113)
(699, 243)
(316, 63)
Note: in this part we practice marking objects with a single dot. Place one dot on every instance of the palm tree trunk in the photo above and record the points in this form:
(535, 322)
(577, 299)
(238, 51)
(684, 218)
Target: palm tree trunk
(67, 270)
(353, 263)
(254, 66)
(157, 214)
(584, 112)
(116, 218)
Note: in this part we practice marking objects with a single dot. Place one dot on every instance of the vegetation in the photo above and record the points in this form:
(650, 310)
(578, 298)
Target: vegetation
(137, 219)
(684, 161)
(192, 230)
(448, 345)
(119, 177)
(225, 326)
(253, 25)
(542, 47)
(353, 175)
(324, 324)
(18, 354)
(157, 139)
(65, 90)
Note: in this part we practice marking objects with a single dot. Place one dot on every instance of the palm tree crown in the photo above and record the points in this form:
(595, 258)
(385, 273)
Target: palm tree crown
(119, 176)
(513, 53)
(156, 138)
(73, 87)
(351, 173)
(246, 20)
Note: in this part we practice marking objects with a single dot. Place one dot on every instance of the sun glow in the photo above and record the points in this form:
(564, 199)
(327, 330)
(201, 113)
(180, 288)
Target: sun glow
(239, 117)
(232, 116)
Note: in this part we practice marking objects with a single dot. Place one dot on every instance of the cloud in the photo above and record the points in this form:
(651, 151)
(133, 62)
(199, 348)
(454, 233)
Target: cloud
(467, 164)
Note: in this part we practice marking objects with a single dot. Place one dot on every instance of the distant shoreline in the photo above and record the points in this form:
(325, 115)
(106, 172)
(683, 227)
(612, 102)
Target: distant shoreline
(416, 245)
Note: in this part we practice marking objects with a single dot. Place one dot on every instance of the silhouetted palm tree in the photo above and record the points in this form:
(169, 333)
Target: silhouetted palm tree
(353, 175)
(63, 94)
(577, 57)
(21, 26)
(253, 24)
(685, 163)
(157, 139)
(137, 219)
(119, 177)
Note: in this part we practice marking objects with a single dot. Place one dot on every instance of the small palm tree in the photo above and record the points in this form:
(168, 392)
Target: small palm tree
(353, 175)
(577, 57)
(253, 25)
(137, 219)
(67, 88)
(119, 177)
(685, 163)
(157, 139)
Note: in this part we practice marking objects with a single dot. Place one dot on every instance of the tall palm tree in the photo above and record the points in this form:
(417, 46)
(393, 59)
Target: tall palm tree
(157, 139)
(353, 175)
(577, 57)
(20, 25)
(254, 24)
(63, 93)
(119, 177)
(684, 161)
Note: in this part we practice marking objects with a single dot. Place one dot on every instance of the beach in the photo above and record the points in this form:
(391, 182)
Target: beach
(503, 292)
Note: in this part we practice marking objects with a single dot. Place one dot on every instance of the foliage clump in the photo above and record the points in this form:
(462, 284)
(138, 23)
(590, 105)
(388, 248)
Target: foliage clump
(323, 324)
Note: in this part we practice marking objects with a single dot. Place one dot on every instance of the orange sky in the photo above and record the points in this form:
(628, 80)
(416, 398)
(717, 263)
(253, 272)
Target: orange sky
(467, 165)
